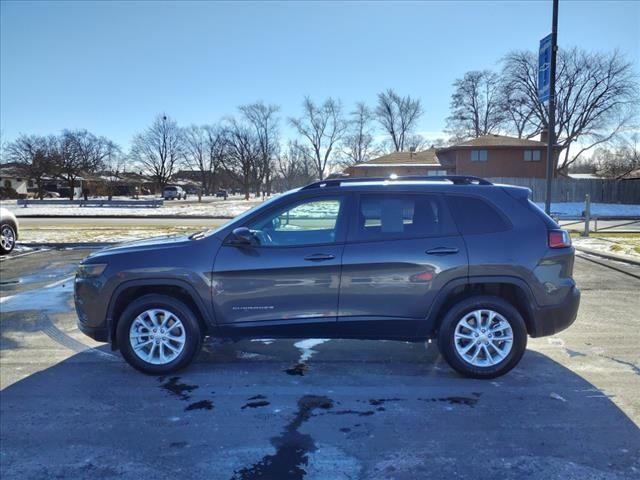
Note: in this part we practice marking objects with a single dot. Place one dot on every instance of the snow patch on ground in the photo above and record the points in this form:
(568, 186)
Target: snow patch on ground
(575, 209)
(211, 208)
(233, 207)
(54, 297)
(623, 246)
(306, 347)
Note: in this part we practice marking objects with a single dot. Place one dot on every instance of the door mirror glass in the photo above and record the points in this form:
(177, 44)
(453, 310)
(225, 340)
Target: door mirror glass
(242, 236)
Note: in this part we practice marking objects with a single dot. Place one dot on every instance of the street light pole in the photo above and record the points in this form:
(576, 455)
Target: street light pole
(551, 128)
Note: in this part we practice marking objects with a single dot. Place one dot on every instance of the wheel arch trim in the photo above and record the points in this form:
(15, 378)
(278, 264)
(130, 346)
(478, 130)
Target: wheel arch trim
(446, 292)
(205, 313)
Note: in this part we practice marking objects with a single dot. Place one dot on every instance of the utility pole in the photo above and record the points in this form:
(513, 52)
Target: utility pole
(551, 128)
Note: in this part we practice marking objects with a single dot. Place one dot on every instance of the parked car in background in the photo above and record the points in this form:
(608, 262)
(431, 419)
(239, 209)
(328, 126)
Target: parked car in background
(479, 267)
(8, 231)
(222, 194)
(174, 193)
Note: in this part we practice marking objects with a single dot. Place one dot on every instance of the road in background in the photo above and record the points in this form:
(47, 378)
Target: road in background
(337, 409)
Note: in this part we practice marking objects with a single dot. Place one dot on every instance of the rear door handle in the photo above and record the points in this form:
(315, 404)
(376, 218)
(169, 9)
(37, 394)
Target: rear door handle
(319, 257)
(442, 251)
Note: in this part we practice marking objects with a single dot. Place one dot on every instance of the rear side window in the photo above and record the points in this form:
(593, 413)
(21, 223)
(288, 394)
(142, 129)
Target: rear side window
(475, 215)
(382, 217)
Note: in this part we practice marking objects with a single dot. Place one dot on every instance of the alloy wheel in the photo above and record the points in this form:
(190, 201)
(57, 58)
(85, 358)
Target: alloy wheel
(483, 338)
(157, 336)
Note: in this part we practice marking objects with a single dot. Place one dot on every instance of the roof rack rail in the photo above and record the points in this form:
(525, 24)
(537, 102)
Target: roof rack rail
(455, 179)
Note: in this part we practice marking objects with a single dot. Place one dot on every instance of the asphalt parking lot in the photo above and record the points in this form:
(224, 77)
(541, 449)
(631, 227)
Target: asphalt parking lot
(286, 409)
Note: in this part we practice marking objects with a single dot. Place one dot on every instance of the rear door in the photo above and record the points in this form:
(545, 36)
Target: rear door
(402, 248)
(292, 272)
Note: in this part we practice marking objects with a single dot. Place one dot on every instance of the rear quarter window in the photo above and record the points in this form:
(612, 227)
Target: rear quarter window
(475, 215)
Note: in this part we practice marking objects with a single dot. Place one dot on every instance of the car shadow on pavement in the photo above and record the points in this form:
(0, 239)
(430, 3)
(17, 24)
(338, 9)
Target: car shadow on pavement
(358, 409)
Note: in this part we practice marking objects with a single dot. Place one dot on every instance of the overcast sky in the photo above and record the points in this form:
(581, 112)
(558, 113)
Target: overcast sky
(111, 67)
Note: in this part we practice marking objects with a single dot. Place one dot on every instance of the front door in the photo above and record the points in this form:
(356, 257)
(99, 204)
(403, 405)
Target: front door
(402, 249)
(291, 273)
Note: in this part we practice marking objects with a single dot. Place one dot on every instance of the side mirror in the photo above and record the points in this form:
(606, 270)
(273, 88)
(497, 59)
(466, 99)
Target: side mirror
(242, 236)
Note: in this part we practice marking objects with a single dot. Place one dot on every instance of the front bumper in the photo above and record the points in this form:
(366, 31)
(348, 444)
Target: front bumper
(100, 334)
(91, 308)
(549, 320)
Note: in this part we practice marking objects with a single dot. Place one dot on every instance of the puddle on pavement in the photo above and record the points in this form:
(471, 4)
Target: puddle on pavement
(201, 405)
(468, 401)
(297, 369)
(292, 447)
(181, 390)
(360, 413)
(256, 404)
(380, 401)
(306, 352)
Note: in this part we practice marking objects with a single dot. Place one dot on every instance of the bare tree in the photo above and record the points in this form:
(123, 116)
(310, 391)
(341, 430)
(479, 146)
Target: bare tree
(596, 97)
(200, 145)
(476, 107)
(33, 155)
(216, 143)
(265, 124)
(520, 115)
(620, 161)
(398, 116)
(323, 126)
(295, 166)
(243, 151)
(79, 152)
(159, 149)
(358, 144)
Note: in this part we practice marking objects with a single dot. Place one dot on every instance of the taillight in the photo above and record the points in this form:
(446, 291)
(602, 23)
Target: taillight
(559, 239)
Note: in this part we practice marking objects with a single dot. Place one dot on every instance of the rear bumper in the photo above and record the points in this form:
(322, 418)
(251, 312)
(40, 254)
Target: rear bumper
(550, 320)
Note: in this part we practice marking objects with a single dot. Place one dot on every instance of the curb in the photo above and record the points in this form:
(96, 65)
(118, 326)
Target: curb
(608, 256)
(124, 217)
(67, 245)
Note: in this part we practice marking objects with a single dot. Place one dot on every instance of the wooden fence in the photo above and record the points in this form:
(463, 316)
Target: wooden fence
(574, 190)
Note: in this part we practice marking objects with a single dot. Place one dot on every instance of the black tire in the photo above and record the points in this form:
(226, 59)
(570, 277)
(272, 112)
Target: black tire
(8, 242)
(446, 336)
(192, 330)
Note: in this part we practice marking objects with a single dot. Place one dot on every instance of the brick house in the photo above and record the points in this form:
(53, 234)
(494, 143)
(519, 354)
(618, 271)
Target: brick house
(401, 164)
(486, 156)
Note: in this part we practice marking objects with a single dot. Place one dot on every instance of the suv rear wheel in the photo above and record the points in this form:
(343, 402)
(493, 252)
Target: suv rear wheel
(482, 337)
(7, 238)
(158, 334)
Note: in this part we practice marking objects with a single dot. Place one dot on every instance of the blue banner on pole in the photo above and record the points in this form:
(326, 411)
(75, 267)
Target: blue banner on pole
(544, 69)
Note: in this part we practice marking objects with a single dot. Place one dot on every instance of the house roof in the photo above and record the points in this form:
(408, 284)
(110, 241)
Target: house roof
(11, 170)
(501, 141)
(425, 158)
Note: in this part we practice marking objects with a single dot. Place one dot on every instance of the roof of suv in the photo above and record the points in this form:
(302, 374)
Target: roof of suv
(439, 183)
(395, 180)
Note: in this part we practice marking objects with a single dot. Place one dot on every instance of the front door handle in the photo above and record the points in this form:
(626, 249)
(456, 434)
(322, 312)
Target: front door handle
(319, 257)
(442, 251)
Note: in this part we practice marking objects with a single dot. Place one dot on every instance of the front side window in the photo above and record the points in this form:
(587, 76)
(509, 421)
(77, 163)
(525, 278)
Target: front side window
(479, 155)
(382, 217)
(312, 222)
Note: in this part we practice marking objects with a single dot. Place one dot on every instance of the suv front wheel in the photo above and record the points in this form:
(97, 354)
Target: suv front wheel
(482, 337)
(158, 334)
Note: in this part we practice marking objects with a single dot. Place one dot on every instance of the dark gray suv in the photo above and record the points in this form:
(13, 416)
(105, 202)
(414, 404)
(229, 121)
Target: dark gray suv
(475, 265)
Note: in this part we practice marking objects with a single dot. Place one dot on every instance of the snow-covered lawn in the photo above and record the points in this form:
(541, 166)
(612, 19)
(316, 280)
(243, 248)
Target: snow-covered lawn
(234, 206)
(575, 209)
(212, 208)
(97, 234)
(623, 245)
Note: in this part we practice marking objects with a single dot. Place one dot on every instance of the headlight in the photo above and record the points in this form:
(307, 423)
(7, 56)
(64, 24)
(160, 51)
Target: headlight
(90, 269)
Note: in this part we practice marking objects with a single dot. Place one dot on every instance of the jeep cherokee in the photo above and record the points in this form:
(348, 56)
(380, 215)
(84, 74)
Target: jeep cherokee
(477, 266)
